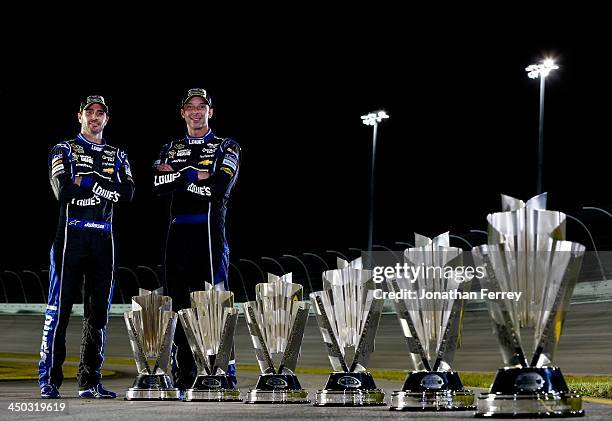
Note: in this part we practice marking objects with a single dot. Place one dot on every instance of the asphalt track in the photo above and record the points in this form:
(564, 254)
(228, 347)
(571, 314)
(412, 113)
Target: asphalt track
(585, 349)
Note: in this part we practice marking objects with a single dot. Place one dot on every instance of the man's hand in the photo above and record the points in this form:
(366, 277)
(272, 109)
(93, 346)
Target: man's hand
(164, 168)
(77, 180)
(203, 175)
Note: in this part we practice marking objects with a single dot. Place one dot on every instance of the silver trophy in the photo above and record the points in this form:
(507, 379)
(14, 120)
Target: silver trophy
(276, 320)
(527, 253)
(431, 326)
(209, 325)
(150, 327)
(348, 315)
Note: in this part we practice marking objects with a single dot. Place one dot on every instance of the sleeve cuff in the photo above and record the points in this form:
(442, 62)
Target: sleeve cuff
(87, 182)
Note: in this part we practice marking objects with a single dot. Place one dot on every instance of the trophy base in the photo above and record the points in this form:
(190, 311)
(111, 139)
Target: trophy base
(529, 392)
(212, 389)
(350, 389)
(277, 389)
(433, 391)
(152, 387)
(219, 395)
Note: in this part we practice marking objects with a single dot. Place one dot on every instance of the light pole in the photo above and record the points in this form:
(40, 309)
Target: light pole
(605, 212)
(534, 71)
(403, 243)
(305, 269)
(277, 263)
(263, 275)
(462, 239)
(601, 268)
(372, 119)
(338, 254)
(318, 257)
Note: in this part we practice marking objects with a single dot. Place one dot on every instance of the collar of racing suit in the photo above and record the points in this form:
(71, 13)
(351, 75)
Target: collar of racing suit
(204, 139)
(88, 144)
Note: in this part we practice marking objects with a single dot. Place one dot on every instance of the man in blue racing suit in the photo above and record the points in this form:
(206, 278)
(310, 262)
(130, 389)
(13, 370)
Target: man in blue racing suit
(199, 172)
(88, 177)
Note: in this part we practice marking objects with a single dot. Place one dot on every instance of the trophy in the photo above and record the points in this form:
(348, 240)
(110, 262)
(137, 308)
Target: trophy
(209, 325)
(276, 320)
(150, 327)
(348, 314)
(431, 326)
(527, 254)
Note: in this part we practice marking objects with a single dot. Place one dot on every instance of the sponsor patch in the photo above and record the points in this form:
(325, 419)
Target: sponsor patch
(202, 191)
(109, 170)
(98, 190)
(92, 201)
(227, 170)
(165, 178)
(58, 169)
(179, 146)
(229, 162)
(205, 162)
(109, 152)
(86, 159)
(184, 152)
(78, 149)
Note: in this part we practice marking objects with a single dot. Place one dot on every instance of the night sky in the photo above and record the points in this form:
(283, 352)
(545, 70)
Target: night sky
(463, 129)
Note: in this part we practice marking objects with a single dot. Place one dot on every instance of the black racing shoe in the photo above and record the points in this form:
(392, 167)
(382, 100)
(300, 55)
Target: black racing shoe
(49, 391)
(97, 392)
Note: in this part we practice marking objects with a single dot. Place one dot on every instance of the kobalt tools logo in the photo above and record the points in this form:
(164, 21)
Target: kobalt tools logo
(107, 194)
(202, 191)
(277, 383)
(348, 381)
(432, 381)
(165, 178)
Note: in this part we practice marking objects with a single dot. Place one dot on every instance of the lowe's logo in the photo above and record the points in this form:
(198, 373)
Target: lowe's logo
(348, 381)
(211, 383)
(277, 383)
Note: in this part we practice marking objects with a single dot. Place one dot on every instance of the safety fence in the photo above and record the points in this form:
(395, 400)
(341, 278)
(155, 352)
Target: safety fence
(22, 289)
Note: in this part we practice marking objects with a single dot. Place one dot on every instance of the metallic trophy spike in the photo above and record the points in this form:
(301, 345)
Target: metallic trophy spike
(527, 253)
(276, 321)
(209, 326)
(348, 314)
(150, 327)
(431, 326)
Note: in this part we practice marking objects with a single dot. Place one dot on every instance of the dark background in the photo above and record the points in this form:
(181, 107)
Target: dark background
(463, 129)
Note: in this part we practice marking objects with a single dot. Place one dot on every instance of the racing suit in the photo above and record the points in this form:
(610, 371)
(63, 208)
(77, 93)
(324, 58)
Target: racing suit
(83, 245)
(196, 246)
